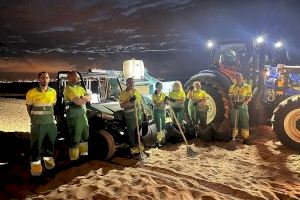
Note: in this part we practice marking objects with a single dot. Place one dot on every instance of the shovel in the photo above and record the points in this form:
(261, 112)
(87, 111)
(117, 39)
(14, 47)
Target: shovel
(142, 156)
(196, 126)
(235, 122)
(189, 151)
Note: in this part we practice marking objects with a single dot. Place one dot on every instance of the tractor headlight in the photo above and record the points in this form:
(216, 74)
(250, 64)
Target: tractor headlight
(260, 40)
(278, 44)
(210, 44)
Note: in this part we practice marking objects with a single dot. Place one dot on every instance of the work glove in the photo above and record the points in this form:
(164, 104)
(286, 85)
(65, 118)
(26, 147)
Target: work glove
(191, 88)
(166, 99)
(195, 104)
(172, 100)
(132, 99)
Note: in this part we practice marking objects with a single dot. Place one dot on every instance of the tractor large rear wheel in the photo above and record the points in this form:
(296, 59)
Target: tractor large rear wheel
(286, 122)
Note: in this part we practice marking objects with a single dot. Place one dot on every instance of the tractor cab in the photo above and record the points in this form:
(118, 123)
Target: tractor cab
(231, 57)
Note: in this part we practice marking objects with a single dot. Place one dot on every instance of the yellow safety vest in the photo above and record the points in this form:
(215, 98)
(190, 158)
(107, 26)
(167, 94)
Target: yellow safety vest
(239, 93)
(70, 93)
(177, 95)
(197, 95)
(158, 99)
(41, 103)
(125, 96)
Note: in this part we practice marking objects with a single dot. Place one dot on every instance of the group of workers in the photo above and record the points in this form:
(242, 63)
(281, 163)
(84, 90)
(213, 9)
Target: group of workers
(40, 103)
(240, 95)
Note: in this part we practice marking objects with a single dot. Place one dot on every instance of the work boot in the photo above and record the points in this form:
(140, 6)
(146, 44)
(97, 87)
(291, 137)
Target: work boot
(49, 162)
(235, 133)
(74, 153)
(36, 168)
(83, 149)
(134, 150)
(160, 138)
(245, 135)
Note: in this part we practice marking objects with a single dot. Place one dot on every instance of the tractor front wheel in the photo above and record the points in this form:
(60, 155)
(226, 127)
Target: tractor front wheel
(286, 122)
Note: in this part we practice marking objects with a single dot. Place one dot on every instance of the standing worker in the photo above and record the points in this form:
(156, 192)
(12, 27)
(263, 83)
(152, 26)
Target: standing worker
(177, 98)
(76, 98)
(197, 107)
(159, 113)
(40, 102)
(130, 99)
(240, 95)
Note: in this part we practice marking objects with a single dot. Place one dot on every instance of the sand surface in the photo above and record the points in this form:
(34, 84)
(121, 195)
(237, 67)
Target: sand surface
(14, 117)
(263, 170)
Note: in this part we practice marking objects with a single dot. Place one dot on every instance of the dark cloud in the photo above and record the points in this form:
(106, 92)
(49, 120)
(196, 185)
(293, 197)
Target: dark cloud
(166, 34)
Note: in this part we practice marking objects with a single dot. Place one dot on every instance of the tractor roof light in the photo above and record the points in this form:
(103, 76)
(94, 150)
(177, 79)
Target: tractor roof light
(278, 44)
(210, 44)
(260, 40)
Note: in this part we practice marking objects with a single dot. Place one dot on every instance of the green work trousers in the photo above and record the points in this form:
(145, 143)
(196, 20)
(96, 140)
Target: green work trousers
(159, 117)
(43, 138)
(179, 113)
(242, 117)
(197, 114)
(78, 130)
(131, 126)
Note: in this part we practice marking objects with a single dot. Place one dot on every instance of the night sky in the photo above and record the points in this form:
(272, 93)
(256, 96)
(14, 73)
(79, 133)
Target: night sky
(169, 35)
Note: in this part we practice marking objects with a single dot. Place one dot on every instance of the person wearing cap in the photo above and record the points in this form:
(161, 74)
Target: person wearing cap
(240, 95)
(40, 102)
(76, 98)
(130, 99)
(197, 107)
(159, 113)
(177, 97)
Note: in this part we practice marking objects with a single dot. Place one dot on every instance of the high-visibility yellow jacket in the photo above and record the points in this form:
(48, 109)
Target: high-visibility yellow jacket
(70, 93)
(239, 93)
(41, 103)
(125, 96)
(158, 100)
(178, 96)
(197, 95)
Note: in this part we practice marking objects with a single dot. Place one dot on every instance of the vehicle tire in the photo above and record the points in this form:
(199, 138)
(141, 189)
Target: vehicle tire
(286, 122)
(102, 145)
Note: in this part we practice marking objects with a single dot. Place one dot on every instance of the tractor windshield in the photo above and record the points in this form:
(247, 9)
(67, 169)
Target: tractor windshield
(230, 55)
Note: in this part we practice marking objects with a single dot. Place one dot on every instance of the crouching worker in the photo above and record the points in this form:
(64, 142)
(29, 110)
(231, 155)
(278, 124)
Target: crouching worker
(159, 113)
(76, 98)
(240, 95)
(177, 98)
(197, 107)
(130, 99)
(40, 102)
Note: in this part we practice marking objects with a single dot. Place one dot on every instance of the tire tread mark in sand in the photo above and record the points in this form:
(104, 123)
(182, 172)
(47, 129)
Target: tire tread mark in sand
(216, 186)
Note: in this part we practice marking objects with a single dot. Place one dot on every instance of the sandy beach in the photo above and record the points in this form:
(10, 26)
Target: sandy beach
(263, 170)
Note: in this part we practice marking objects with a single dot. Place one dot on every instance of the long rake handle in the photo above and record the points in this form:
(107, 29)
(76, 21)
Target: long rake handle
(137, 126)
(236, 118)
(180, 130)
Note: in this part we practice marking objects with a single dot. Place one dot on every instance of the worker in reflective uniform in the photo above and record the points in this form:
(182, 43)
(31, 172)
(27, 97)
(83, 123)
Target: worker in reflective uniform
(76, 98)
(197, 107)
(128, 99)
(240, 95)
(40, 102)
(177, 98)
(159, 113)
(280, 87)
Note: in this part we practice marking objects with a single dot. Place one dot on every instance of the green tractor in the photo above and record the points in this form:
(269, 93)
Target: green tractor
(257, 61)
